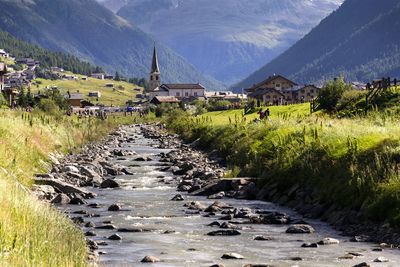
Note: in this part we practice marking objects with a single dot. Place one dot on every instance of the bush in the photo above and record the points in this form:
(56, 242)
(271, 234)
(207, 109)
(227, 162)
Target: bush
(49, 106)
(219, 105)
(3, 101)
(331, 93)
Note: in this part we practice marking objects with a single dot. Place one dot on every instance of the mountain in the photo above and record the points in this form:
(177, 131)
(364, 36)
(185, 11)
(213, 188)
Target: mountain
(359, 41)
(113, 5)
(93, 33)
(227, 39)
(48, 59)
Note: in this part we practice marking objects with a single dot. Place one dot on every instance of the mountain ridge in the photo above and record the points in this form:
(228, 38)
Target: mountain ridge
(227, 39)
(358, 41)
(93, 33)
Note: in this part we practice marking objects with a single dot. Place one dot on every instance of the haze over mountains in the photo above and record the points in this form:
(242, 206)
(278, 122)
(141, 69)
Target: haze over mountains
(359, 41)
(228, 39)
(90, 31)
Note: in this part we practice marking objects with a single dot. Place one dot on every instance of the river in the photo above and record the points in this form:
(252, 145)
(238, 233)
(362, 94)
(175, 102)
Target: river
(178, 237)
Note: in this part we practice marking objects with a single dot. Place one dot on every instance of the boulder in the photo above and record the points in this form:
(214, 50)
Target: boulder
(77, 201)
(90, 233)
(363, 264)
(381, 259)
(232, 256)
(217, 206)
(62, 199)
(89, 225)
(106, 227)
(224, 233)
(63, 187)
(309, 245)
(70, 168)
(109, 183)
(178, 197)
(114, 207)
(195, 205)
(300, 229)
(115, 237)
(150, 259)
(219, 195)
(328, 241)
(263, 238)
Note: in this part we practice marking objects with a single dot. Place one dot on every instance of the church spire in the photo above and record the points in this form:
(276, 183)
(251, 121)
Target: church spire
(154, 65)
(155, 72)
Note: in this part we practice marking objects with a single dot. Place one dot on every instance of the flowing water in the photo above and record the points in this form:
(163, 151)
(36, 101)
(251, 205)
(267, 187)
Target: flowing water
(146, 205)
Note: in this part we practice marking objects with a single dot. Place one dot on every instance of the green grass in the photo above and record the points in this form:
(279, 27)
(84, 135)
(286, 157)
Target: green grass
(224, 117)
(351, 163)
(33, 233)
(109, 96)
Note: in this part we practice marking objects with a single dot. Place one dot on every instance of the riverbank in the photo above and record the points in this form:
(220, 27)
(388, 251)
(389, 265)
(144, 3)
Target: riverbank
(137, 213)
(31, 232)
(344, 171)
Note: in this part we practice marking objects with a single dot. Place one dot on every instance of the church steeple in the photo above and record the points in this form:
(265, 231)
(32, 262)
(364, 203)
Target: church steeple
(154, 72)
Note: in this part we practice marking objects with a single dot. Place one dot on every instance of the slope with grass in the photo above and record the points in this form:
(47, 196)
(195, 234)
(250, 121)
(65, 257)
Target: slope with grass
(116, 96)
(225, 117)
(31, 232)
(348, 166)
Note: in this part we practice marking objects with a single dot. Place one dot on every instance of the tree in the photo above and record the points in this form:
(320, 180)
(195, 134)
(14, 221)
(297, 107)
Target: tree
(22, 101)
(117, 77)
(331, 93)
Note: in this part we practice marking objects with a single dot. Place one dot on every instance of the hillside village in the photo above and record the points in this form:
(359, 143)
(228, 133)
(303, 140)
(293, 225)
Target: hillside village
(100, 90)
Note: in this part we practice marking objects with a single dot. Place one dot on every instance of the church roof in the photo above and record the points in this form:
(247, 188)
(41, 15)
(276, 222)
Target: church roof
(183, 86)
(154, 65)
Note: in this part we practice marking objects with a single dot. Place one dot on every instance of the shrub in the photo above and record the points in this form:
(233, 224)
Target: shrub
(49, 106)
(331, 93)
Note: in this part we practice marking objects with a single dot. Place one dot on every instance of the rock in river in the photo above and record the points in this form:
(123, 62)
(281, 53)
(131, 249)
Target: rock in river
(230, 232)
(232, 256)
(329, 241)
(300, 229)
(109, 183)
(150, 259)
(115, 237)
(114, 207)
(178, 197)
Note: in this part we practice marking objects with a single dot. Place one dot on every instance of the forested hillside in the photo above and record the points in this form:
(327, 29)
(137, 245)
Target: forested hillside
(359, 41)
(91, 32)
(21, 49)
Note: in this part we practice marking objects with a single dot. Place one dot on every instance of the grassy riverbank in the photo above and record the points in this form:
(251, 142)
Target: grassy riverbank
(350, 163)
(31, 232)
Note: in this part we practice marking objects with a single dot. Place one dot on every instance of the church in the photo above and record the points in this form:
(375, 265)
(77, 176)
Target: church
(185, 92)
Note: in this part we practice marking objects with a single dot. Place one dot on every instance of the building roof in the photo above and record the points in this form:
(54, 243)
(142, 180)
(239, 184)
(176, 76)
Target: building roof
(270, 79)
(165, 99)
(154, 64)
(183, 86)
(75, 96)
(264, 91)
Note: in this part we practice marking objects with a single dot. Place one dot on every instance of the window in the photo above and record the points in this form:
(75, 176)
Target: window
(157, 78)
(312, 91)
(308, 94)
(186, 93)
(278, 85)
(195, 93)
(178, 94)
(151, 78)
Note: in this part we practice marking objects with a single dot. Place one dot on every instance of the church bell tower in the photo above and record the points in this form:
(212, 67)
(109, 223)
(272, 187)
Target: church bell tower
(154, 81)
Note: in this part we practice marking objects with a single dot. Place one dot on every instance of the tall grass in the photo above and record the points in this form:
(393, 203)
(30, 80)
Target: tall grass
(31, 232)
(351, 163)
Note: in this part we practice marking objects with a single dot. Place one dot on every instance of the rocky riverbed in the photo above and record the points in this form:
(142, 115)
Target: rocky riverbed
(142, 196)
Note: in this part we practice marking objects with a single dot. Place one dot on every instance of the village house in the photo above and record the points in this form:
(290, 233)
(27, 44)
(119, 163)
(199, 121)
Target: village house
(4, 54)
(3, 72)
(27, 61)
(278, 90)
(95, 94)
(225, 95)
(179, 91)
(57, 69)
(99, 76)
(75, 99)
